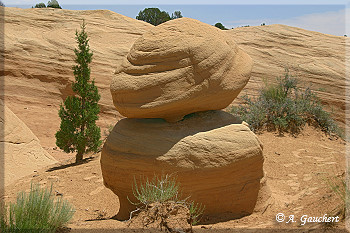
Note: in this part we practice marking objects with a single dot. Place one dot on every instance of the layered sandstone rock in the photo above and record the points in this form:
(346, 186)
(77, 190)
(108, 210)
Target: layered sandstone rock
(315, 59)
(179, 67)
(217, 160)
(38, 62)
(23, 153)
(39, 54)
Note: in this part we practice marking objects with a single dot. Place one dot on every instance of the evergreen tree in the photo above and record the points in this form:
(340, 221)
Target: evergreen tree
(176, 15)
(78, 131)
(153, 16)
(40, 5)
(53, 4)
(219, 25)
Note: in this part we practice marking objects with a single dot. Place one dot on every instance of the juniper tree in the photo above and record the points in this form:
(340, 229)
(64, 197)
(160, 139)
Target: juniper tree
(78, 131)
(53, 4)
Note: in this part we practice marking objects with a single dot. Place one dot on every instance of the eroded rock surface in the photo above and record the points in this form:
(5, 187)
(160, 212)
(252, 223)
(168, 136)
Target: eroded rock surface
(217, 160)
(23, 153)
(179, 67)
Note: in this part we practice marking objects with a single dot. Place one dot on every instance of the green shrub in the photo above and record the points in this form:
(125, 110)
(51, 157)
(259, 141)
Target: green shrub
(162, 190)
(37, 211)
(286, 108)
(40, 5)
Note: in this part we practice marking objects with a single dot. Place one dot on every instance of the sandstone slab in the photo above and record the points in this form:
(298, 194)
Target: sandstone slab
(21, 149)
(37, 67)
(217, 160)
(179, 67)
(315, 59)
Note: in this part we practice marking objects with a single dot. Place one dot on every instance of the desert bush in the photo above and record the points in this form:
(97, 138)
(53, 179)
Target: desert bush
(40, 5)
(162, 190)
(285, 107)
(158, 189)
(36, 211)
(196, 211)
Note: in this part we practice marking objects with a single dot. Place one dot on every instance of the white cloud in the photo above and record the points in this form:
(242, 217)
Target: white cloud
(332, 22)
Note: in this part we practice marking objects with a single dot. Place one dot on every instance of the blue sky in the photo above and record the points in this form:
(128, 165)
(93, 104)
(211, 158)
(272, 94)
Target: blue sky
(323, 15)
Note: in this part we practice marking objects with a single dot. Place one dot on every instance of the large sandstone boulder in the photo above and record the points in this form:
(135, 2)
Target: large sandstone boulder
(217, 160)
(22, 151)
(179, 67)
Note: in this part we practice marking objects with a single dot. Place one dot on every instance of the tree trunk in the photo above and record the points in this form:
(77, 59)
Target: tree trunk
(79, 157)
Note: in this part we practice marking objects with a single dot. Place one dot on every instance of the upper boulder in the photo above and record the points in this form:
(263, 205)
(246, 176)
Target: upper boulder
(180, 67)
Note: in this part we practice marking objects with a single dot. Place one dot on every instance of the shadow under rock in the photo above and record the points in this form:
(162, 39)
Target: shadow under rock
(63, 166)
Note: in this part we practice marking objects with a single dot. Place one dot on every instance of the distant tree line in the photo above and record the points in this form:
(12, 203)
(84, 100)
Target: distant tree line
(50, 4)
(222, 27)
(2, 4)
(155, 16)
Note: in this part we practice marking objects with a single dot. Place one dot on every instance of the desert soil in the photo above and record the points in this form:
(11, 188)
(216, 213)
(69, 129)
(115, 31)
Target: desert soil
(295, 183)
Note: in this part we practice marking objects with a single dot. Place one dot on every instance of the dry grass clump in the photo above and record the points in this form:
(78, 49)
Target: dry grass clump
(36, 211)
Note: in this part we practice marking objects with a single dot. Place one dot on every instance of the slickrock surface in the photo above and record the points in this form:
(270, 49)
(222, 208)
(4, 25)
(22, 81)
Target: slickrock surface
(180, 67)
(316, 59)
(39, 55)
(217, 160)
(23, 153)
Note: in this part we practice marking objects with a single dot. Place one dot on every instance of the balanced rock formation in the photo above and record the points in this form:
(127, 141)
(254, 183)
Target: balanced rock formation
(21, 148)
(37, 67)
(217, 160)
(179, 67)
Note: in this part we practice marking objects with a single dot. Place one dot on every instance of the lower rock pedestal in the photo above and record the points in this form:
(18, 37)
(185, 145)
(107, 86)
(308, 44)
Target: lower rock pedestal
(217, 161)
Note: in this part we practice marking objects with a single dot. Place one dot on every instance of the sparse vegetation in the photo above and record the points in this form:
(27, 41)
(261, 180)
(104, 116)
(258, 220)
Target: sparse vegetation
(219, 25)
(285, 107)
(108, 131)
(36, 211)
(155, 16)
(339, 186)
(1, 3)
(163, 190)
(78, 130)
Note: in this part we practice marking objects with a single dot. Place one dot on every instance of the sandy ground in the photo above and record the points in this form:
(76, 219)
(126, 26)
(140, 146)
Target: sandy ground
(295, 183)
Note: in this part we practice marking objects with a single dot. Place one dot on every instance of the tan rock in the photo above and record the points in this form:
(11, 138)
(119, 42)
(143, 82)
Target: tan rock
(180, 67)
(217, 160)
(21, 149)
(315, 58)
(38, 62)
